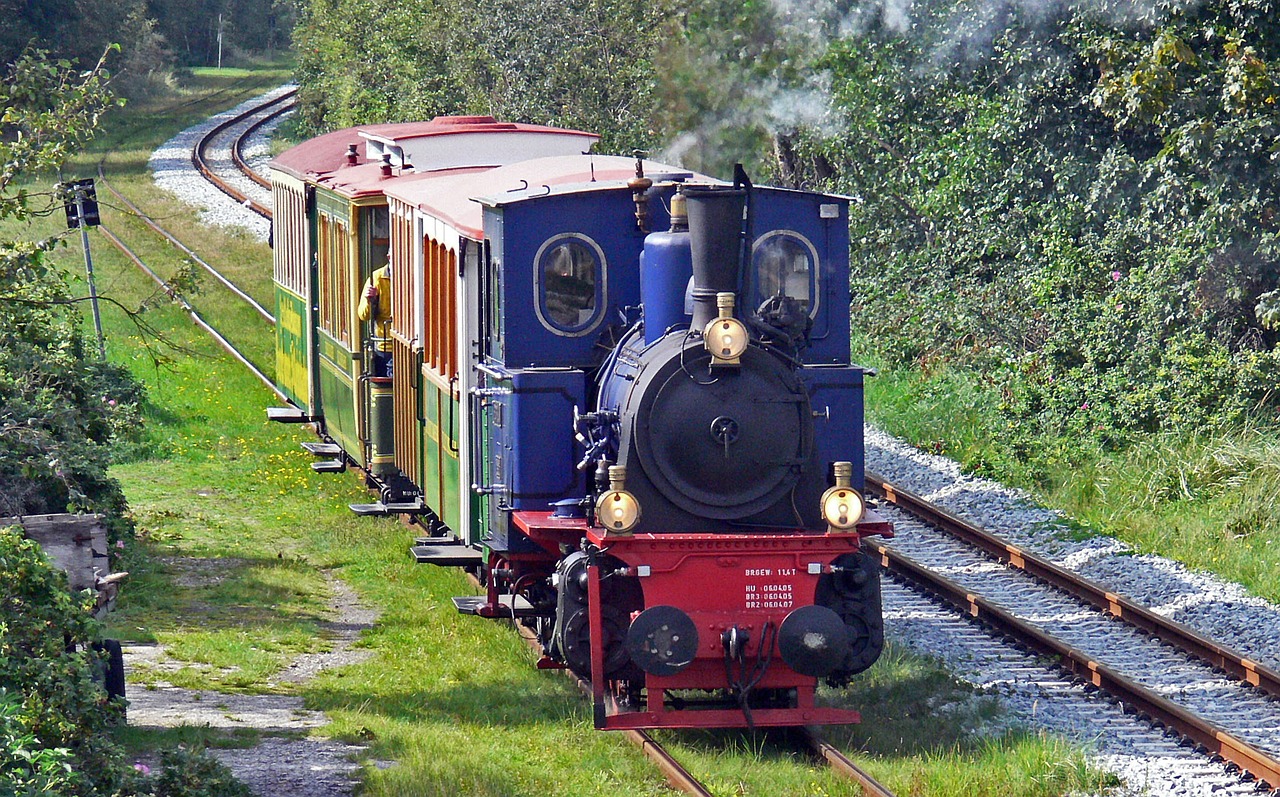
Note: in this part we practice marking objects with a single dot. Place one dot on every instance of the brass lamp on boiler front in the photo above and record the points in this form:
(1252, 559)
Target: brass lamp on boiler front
(842, 506)
(617, 510)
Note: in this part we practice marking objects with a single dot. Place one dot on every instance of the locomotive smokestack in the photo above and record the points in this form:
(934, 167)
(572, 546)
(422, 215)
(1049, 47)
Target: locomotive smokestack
(716, 220)
(353, 157)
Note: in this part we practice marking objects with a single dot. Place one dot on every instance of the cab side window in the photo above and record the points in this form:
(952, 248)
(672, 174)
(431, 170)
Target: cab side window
(569, 270)
(785, 264)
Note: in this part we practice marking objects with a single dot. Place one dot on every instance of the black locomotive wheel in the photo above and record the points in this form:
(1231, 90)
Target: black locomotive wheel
(576, 643)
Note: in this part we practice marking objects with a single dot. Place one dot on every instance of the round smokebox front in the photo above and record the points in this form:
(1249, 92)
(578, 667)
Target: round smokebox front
(726, 443)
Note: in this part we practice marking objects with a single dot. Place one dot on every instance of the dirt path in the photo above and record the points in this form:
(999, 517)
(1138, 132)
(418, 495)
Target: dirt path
(285, 763)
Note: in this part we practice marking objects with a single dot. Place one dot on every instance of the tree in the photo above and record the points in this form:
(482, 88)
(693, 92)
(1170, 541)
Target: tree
(60, 407)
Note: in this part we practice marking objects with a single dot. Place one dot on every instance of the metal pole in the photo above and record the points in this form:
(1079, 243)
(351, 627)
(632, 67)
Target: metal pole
(88, 267)
(219, 41)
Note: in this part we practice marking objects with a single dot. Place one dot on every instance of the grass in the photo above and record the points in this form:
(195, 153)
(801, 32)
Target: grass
(1209, 498)
(237, 541)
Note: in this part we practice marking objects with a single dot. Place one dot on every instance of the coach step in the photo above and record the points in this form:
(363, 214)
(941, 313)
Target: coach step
(447, 555)
(380, 509)
(322, 449)
(287, 415)
(508, 606)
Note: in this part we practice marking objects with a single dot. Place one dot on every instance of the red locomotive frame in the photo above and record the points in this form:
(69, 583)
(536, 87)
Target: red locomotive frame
(744, 580)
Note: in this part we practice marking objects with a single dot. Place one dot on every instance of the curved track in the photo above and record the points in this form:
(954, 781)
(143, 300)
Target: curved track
(199, 156)
(237, 148)
(199, 160)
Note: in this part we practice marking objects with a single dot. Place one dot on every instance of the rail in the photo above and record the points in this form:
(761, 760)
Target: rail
(218, 337)
(1232, 662)
(150, 222)
(201, 165)
(1211, 738)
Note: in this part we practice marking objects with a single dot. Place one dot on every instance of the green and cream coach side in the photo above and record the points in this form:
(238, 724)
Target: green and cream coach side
(334, 227)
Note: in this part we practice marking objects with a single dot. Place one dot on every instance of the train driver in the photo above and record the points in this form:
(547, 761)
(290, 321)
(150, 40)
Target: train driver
(375, 306)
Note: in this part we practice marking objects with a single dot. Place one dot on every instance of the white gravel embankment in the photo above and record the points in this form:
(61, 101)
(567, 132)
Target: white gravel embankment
(172, 170)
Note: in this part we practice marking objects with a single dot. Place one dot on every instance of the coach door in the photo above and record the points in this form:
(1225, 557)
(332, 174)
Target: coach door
(336, 333)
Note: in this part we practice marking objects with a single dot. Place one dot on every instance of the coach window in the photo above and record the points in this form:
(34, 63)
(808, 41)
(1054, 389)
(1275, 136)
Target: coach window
(377, 222)
(569, 270)
(785, 263)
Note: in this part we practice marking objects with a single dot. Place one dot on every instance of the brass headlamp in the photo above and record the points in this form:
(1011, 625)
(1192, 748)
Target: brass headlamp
(617, 510)
(725, 337)
(842, 506)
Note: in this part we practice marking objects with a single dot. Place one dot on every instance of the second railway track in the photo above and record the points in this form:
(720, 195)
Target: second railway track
(1170, 675)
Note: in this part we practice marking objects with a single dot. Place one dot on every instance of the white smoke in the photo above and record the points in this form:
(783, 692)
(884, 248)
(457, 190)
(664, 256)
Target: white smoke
(967, 34)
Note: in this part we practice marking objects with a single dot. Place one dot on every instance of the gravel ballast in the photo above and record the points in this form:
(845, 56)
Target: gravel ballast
(173, 171)
(1146, 760)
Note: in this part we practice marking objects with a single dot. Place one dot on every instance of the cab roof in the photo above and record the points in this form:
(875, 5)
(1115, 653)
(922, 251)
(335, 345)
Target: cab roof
(459, 198)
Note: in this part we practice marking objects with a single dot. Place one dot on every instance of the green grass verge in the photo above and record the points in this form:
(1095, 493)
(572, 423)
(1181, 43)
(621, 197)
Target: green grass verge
(237, 540)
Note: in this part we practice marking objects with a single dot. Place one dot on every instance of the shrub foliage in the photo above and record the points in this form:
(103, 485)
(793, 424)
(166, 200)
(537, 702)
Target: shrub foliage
(573, 63)
(60, 405)
(1078, 199)
(52, 713)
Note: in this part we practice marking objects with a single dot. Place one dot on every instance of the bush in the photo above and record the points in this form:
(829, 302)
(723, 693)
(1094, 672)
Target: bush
(27, 769)
(61, 408)
(185, 773)
(47, 669)
(55, 718)
(1077, 204)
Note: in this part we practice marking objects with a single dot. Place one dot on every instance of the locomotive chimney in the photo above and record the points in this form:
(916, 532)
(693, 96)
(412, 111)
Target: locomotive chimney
(716, 220)
(353, 157)
(386, 164)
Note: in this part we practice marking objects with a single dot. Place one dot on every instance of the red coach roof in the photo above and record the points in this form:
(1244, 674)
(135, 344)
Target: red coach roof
(446, 142)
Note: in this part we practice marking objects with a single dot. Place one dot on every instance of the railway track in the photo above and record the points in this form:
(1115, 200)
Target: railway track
(1212, 697)
(154, 225)
(200, 321)
(201, 160)
(678, 777)
(273, 108)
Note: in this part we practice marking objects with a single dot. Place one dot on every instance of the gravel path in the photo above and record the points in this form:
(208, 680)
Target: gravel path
(277, 766)
(284, 763)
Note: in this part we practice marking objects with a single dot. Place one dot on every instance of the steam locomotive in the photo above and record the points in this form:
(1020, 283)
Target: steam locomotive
(619, 393)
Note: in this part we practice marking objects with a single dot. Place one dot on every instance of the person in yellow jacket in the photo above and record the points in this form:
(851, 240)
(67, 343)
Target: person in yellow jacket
(375, 306)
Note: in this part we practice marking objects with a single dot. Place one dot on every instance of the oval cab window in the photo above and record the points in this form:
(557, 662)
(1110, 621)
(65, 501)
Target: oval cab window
(784, 264)
(570, 285)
